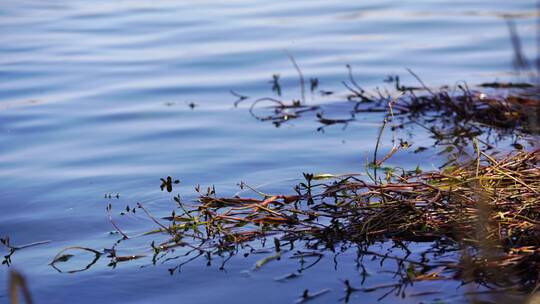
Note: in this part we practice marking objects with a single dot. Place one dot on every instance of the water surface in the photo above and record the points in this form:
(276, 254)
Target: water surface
(94, 99)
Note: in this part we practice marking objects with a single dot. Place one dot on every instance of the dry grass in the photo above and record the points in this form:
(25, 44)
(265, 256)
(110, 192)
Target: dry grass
(488, 208)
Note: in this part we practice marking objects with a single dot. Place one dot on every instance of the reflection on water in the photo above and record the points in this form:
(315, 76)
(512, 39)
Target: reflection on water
(108, 97)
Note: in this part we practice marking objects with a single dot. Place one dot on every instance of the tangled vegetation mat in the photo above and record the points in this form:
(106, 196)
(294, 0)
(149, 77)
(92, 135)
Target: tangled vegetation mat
(483, 205)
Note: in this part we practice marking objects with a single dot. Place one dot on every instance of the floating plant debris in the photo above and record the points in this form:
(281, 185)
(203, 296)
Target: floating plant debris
(307, 296)
(485, 209)
(329, 122)
(288, 276)
(6, 241)
(452, 116)
(111, 195)
(281, 110)
(168, 183)
(506, 85)
(63, 257)
(239, 96)
(276, 87)
(313, 84)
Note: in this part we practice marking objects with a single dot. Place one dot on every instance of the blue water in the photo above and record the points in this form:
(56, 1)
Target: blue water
(94, 99)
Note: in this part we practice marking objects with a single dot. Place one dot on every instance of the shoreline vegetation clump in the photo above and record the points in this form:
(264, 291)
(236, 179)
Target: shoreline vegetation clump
(486, 203)
(487, 209)
(483, 209)
(450, 113)
(479, 212)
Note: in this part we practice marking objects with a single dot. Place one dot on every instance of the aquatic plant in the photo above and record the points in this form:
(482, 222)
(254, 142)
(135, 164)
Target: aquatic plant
(489, 206)
(485, 210)
(451, 115)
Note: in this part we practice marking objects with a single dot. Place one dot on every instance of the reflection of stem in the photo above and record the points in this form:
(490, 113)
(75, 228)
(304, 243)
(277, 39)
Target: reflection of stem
(29, 245)
(59, 255)
(300, 76)
(109, 214)
(172, 270)
(13, 249)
